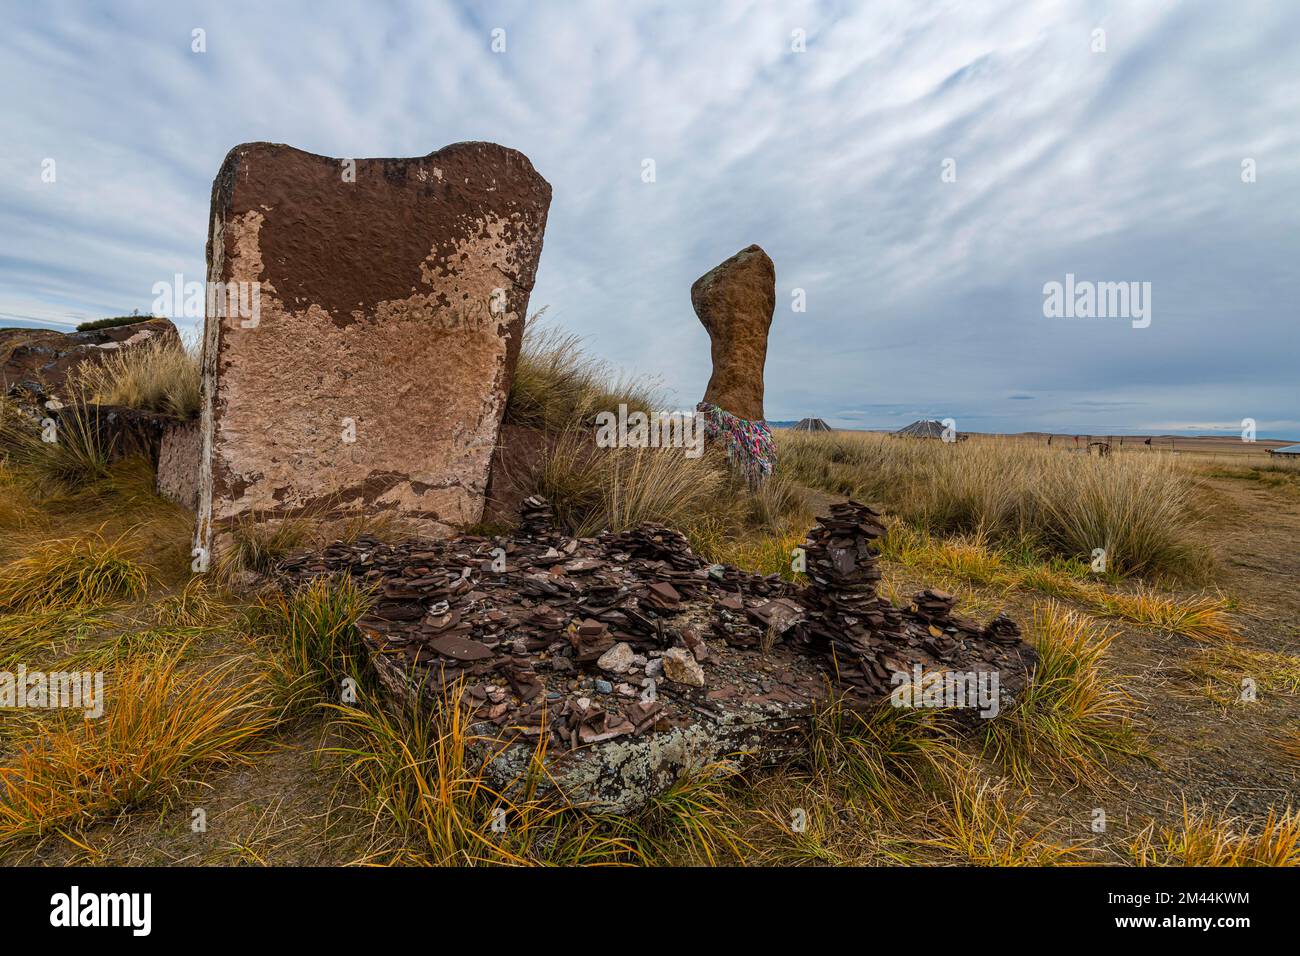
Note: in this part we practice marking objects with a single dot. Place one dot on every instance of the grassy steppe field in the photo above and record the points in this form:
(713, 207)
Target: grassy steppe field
(1166, 702)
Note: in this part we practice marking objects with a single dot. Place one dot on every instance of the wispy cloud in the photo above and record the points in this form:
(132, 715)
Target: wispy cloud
(924, 296)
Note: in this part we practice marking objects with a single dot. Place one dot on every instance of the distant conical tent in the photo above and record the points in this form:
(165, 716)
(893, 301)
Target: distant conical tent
(924, 428)
(812, 425)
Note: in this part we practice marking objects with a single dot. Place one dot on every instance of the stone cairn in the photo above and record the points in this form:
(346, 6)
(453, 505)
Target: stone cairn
(632, 633)
(867, 637)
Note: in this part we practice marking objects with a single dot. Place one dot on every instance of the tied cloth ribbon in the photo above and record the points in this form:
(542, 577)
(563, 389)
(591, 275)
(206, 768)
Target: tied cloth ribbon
(750, 447)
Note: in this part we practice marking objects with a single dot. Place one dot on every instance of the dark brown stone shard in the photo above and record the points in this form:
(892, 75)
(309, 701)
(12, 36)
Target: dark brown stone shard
(359, 350)
(735, 301)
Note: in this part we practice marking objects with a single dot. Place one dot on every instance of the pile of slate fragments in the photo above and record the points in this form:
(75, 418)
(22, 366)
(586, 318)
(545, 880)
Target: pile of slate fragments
(628, 659)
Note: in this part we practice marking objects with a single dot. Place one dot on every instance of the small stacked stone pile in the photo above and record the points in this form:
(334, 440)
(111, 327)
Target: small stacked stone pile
(869, 639)
(846, 619)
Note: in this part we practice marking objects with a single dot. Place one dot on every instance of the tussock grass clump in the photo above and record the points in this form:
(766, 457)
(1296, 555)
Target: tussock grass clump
(320, 642)
(422, 778)
(887, 755)
(421, 781)
(776, 505)
(40, 634)
(1072, 717)
(693, 821)
(260, 546)
(1206, 839)
(1201, 618)
(1137, 507)
(557, 386)
(980, 825)
(69, 448)
(158, 376)
(160, 727)
(410, 767)
(70, 572)
(592, 488)
(129, 643)
(560, 390)
(194, 605)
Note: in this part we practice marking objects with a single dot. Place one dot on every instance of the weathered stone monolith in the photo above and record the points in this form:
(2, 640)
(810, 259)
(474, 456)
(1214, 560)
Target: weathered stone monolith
(735, 301)
(363, 324)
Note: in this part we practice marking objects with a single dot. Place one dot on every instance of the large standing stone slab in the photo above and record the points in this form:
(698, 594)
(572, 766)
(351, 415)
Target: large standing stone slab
(735, 302)
(391, 301)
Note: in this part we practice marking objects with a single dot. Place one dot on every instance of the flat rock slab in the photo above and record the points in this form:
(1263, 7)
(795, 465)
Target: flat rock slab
(180, 451)
(518, 625)
(359, 350)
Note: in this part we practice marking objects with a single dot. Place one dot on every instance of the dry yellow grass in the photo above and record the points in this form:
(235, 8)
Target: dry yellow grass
(73, 572)
(1202, 618)
(972, 560)
(1138, 508)
(1233, 673)
(1073, 717)
(160, 727)
(885, 756)
(158, 376)
(319, 644)
(20, 511)
(1207, 839)
(421, 783)
(902, 778)
(758, 553)
(557, 386)
(980, 825)
(70, 450)
(194, 605)
(618, 488)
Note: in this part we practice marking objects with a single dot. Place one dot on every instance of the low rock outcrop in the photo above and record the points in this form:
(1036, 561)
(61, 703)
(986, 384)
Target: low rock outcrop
(35, 363)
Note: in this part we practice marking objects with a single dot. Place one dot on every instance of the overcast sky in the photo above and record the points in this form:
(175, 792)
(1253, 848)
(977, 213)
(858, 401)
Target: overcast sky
(924, 297)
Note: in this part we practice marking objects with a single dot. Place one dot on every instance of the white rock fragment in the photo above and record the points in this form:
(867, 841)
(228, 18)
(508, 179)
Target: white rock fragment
(617, 659)
(681, 667)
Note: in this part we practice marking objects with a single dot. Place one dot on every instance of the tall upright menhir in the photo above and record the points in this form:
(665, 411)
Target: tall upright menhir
(735, 302)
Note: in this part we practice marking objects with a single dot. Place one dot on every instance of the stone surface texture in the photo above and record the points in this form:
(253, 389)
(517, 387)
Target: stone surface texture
(735, 301)
(521, 627)
(392, 298)
(178, 463)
